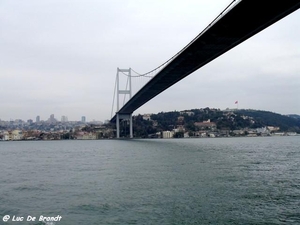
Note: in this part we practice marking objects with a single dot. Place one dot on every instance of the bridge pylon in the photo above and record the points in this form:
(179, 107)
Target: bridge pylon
(121, 116)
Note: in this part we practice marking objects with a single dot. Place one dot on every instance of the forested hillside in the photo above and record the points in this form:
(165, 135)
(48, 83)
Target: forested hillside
(214, 120)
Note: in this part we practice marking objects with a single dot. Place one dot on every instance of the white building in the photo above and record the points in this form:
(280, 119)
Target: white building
(6, 136)
(189, 113)
(168, 134)
(272, 129)
(262, 130)
(147, 117)
(16, 135)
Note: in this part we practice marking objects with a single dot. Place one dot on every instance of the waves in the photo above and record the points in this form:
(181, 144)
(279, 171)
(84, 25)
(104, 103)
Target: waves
(195, 181)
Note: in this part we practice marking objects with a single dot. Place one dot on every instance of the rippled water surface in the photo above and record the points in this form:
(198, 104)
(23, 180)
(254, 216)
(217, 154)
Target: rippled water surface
(178, 181)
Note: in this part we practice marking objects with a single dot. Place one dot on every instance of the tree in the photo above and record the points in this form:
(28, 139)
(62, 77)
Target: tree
(179, 134)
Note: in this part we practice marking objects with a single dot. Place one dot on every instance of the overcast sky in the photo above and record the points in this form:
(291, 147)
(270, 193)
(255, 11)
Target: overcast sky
(61, 56)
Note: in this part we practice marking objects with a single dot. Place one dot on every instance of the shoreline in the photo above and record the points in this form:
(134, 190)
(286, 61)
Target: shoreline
(138, 138)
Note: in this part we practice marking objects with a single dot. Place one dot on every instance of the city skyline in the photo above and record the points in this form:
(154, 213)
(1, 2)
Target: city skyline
(51, 118)
(61, 57)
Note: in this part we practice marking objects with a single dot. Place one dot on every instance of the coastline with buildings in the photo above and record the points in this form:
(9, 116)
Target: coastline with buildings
(19, 135)
(52, 129)
(196, 123)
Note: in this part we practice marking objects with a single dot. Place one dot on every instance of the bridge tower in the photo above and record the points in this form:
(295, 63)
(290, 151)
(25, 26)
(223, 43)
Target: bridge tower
(121, 116)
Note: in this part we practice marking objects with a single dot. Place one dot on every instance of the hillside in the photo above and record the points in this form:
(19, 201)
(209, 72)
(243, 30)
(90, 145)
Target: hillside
(265, 118)
(295, 116)
(207, 121)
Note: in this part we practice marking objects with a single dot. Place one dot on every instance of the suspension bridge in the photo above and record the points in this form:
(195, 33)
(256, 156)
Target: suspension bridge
(239, 21)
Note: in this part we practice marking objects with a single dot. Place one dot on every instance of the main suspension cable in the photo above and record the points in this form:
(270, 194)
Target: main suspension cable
(191, 42)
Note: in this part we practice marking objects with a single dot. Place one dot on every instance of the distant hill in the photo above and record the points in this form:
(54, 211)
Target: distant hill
(216, 120)
(266, 118)
(295, 116)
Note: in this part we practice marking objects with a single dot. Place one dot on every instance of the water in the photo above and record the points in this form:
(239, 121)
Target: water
(178, 181)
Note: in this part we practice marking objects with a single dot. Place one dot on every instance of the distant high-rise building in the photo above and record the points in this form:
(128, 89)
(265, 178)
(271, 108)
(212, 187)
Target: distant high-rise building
(83, 119)
(64, 119)
(37, 119)
(52, 119)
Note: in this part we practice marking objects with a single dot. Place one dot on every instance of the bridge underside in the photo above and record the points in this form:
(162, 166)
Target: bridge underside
(244, 20)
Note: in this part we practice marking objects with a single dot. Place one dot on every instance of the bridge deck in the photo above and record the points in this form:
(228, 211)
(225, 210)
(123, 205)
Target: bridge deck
(244, 20)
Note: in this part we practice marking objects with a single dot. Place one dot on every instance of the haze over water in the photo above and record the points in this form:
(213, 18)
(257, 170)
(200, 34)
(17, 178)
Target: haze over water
(159, 181)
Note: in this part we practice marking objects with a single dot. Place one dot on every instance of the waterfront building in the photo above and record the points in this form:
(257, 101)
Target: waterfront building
(168, 134)
(16, 135)
(7, 136)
